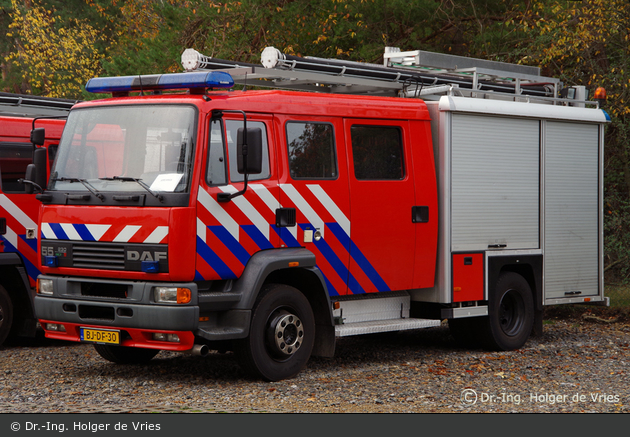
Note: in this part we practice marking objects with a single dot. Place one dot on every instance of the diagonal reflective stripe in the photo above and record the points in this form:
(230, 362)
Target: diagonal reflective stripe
(331, 207)
(264, 194)
(272, 203)
(248, 209)
(157, 235)
(201, 230)
(214, 261)
(97, 231)
(303, 206)
(60, 234)
(47, 232)
(126, 234)
(11, 237)
(211, 205)
(72, 233)
(16, 212)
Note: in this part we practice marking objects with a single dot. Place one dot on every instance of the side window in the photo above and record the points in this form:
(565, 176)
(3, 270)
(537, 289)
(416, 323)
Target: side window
(311, 148)
(14, 157)
(216, 174)
(377, 152)
(231, 127)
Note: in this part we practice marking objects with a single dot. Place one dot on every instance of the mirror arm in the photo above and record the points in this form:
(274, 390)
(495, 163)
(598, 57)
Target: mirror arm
(226, 197)
(26, 181)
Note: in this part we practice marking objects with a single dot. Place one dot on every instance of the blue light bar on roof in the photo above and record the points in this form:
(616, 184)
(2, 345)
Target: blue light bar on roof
(200, 79)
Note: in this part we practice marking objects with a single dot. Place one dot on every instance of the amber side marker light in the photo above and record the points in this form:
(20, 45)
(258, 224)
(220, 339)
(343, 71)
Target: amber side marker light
(294, 264)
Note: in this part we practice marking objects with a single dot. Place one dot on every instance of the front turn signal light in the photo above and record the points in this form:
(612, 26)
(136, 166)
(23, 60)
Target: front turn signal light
(172, 295)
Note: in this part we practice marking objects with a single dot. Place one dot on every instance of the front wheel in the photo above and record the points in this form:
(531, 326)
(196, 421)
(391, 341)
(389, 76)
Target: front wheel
(281, 336)
(125, 355)
(510, 314)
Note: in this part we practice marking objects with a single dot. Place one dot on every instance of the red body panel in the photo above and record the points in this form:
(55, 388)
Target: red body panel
(21, 210)
(468, 277)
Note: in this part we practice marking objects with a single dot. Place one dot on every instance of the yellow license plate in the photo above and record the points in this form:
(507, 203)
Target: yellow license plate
(100, 336)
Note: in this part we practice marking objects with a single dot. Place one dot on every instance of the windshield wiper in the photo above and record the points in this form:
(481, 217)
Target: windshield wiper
(85, 183)
(138, 181)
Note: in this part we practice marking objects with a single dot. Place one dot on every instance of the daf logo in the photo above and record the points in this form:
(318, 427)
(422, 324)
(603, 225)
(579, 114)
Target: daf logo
(134, 255)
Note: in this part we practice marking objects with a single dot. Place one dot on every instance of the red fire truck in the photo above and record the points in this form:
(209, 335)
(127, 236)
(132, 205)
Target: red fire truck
(19, 262)
(349, 199)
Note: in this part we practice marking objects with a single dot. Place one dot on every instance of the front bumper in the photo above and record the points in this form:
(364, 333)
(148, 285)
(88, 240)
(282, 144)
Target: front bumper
(134, 313)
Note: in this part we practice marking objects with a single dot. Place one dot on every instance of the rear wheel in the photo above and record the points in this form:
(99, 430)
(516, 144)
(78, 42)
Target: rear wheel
(281, 335)
(6, 314)
(510, 314)
(125, 355)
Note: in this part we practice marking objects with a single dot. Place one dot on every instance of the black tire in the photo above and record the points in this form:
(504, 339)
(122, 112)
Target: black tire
(125, 355)
(281, 335)
(6, 314)
(510, 314)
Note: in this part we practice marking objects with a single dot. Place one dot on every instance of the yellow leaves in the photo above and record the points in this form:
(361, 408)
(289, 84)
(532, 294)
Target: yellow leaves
(55, 62)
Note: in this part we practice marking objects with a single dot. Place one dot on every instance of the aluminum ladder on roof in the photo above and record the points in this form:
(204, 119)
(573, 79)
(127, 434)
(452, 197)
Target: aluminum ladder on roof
(408, 74)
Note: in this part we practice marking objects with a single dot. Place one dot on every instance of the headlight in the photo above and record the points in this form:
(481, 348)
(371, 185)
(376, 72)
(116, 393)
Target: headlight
(45, 286)
(172, 295)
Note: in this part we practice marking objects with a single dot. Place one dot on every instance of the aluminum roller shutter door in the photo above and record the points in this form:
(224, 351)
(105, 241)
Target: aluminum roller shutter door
(495, 183)
(571, 251)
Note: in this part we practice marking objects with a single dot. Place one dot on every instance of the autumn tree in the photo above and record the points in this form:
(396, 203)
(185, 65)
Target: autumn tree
(53, 61)
(588, 43)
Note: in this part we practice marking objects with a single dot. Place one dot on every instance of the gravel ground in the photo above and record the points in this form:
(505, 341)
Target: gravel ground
(580, 364)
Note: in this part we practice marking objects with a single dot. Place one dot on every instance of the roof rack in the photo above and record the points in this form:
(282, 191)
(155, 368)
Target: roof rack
(404, 74)
(24, 105)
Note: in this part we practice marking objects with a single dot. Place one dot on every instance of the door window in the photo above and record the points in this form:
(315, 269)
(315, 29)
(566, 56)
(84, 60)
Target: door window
(377, 153)
(311, 148)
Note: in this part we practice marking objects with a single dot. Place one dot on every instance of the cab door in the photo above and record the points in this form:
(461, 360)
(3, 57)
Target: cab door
(229, 233)
(382, 201)
(314, 185)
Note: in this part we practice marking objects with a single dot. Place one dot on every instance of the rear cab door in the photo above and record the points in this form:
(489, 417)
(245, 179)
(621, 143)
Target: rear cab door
(382, 247)
(314, 182)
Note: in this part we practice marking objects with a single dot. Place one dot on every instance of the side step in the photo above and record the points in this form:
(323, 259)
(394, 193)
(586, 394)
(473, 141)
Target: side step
(373, 327)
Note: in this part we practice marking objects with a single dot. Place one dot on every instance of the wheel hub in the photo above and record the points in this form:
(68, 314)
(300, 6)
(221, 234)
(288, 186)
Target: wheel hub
(511, 313)
(288, 334)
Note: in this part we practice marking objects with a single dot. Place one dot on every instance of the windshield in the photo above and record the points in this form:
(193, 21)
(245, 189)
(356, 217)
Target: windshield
(126, 148)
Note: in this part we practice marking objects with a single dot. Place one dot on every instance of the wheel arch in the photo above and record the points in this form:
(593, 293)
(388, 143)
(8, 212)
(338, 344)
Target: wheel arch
(272, 267)
(529, 267)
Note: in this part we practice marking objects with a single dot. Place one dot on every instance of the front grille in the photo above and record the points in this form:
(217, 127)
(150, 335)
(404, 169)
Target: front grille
(98, 256)
(104, 256)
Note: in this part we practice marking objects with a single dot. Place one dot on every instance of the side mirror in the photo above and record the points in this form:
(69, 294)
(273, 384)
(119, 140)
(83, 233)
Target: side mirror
(38, 136)
(29, 178)
(252, 149)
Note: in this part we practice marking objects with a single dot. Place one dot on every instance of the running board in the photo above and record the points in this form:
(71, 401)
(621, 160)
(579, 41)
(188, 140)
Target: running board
(373, 327)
